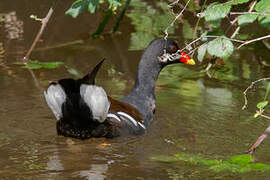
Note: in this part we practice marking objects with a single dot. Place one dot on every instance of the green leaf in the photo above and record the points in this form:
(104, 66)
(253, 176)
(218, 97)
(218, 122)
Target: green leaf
(262, 104)
(263, 6)
(92, 6)
(220, 47)
(201, 52)
(236, 164)
(264, 21)
(242, 36)
(241, 159)
(80, 5)
(39, 65)
(260, 167)
(246, 19)
(114, 3)
(215, 32)
(77, 8)
(32, 16)
(236, 2)
(32, 66)
(216, 12)
(50, 65)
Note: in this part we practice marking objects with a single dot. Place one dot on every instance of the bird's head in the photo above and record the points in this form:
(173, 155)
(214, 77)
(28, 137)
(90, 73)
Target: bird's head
(171, 54)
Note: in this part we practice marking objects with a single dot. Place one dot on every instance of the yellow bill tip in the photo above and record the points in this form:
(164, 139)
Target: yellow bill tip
(190, 62)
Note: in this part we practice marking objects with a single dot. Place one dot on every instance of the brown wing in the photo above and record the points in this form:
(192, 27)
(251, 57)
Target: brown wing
(118, 106)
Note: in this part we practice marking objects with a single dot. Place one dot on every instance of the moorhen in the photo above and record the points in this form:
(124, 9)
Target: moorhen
(83, 110)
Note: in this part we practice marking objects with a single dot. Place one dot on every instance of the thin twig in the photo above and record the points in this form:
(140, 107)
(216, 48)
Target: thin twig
(208, 66)
(197, 23)
(236, 31)
(181, 6)
(44, 23)
(253, 40)
(255, 13)
(61, 45)
(250, 87)
(265, 116)
(193, 50)
(172, 23)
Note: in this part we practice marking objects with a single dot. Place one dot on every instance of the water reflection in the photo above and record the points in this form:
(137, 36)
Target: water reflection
(13, 29)
(96, 171)
(219, 99)
(13, 26)
(55, 163)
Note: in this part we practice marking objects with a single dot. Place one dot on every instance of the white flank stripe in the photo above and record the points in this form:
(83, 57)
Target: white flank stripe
(141, 125)
(110, 115)
(128, 117)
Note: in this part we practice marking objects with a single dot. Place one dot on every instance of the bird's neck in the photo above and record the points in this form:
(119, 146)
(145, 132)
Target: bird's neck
(142, 95)
(146, 79)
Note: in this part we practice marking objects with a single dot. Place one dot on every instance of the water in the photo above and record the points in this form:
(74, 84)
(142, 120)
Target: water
(195, 114)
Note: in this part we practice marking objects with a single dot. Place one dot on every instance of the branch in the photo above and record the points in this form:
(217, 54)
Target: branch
(250, 87)
(44, 23)
(260, 113)
(172, 23)
(253, 40)
(210, 36)
(259, 140)
(243, 43)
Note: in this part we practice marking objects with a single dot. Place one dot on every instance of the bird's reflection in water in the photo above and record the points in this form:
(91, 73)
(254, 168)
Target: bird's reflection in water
(54, 165)
(63, 161)
(96, 171)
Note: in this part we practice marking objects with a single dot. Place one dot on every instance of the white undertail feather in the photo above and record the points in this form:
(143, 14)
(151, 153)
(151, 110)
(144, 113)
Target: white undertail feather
(55, 97)
(96, 99)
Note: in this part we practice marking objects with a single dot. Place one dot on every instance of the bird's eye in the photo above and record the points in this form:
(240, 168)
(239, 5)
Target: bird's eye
(173, 49)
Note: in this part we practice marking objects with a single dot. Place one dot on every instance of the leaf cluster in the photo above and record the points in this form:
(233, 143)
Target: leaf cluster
(79, 6)
(213, 15)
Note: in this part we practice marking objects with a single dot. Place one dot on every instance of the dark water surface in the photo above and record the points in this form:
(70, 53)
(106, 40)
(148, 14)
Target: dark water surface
(195, 114)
